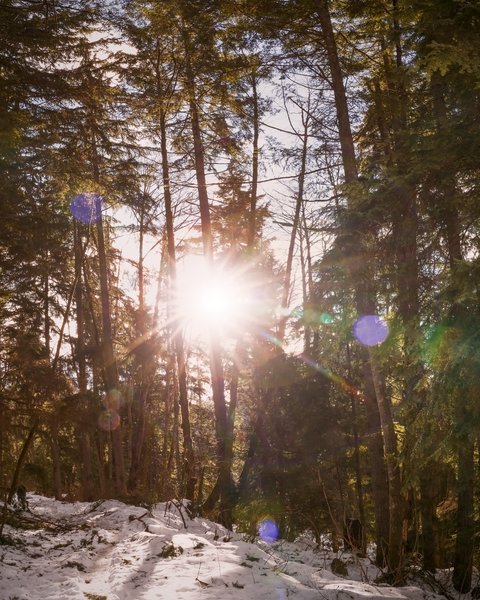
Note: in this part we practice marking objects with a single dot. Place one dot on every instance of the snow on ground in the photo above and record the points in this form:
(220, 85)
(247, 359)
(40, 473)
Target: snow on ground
(111, 551)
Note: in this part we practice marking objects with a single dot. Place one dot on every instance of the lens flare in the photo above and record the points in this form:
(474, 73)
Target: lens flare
(113, 400)
(268, 335)
(87, 208)
(268, 530)
(370, 330)
(109, 420)
(325, 318)
(280, 592)
(433, 340)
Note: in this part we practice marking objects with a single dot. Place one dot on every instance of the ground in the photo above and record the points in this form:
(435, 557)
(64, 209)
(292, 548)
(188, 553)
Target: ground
(111, 551)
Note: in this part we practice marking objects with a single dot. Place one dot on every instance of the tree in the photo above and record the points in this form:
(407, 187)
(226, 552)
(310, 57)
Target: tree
(364, 300)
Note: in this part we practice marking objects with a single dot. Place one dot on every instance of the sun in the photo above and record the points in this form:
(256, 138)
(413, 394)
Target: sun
(220, 300)
(229, 300)
(209, 300)
(215, 301)
(205, 299)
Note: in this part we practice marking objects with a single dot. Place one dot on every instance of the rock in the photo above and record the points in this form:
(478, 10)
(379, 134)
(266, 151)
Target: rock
(339, 567)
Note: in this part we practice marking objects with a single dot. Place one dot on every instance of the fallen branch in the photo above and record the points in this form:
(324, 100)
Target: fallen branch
(20, 517)
(134, 518)
(429, 579)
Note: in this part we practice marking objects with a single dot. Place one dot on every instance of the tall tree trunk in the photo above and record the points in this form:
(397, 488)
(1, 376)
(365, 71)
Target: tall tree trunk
(167, 434)
(311, 343)
(405, 230)
(364, 297)
(99, 451)
(464, 543)
(21, 458)
(216, 368)
(3, 427)
(57, 470)
(146, 464)
(109, 360)
(428, 508)
(405, 235)
(296, 220)
(395, 504)
(138, 446)
(175, 452)
(254, 192)
(305, 297)
(380, 484)
(226, 506)
(253, 443)
(428, 514)
(358, 469)
(227, 502)
(189, 453)
(111, 458)
(46, 308)
(87, 478)
(56, 463)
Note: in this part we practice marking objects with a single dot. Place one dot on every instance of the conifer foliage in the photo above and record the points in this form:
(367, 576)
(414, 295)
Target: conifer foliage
(337, 381)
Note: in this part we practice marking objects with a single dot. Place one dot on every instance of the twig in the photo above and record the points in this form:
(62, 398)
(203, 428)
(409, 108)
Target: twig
(179, 507)
(202, 583)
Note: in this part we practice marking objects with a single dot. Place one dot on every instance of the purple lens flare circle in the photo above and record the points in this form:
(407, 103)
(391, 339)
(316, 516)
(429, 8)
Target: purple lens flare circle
(268, 530)
(87, 208)
(109, 420)
(370, 330)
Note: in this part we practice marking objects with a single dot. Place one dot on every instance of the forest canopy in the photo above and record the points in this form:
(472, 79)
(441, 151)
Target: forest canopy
(239, 262)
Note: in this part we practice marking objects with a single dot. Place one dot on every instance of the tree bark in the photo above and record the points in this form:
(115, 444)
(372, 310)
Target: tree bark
(46, 308)
(99, 450)
(395, 538)
(428, 513)
(254, 441)
(380, 488)
(255, 157)
(87, 478)
(358, 469)
(144, 359)
(405, 230)
(464, 544)
(296, 220)
(189, 453)
(360, 273)
(305, 295)
(109, 360)
(21, 458)
(216, 368)
(57, 469)
(226, 506)
(167, 434)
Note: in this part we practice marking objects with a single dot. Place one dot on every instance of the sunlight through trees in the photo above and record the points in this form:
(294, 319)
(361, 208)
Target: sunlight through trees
(239, 261)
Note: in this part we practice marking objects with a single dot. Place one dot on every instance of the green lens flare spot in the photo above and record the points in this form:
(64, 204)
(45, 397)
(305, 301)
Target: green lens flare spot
(325, 318)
